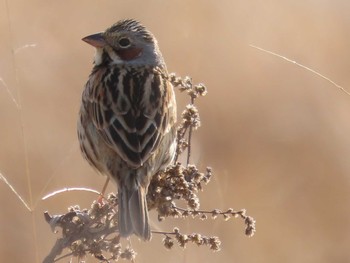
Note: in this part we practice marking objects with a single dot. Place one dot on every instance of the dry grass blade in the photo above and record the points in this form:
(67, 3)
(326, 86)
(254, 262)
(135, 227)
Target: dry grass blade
(9, 93)
(302, 66)
(69, 189)
(15, 192)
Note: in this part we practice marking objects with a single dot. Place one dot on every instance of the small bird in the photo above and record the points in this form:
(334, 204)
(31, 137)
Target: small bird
(126, 124)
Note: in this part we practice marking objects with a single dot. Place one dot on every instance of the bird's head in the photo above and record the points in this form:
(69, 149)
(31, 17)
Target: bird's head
(126, 42)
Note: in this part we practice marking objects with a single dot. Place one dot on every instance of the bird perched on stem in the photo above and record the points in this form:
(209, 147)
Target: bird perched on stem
(126, 124)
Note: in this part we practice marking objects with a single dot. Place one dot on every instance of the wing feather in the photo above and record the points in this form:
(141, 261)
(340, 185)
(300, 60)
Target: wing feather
(129, 109)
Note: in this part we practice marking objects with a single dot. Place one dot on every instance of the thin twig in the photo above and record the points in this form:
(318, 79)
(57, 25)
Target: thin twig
(163, 233)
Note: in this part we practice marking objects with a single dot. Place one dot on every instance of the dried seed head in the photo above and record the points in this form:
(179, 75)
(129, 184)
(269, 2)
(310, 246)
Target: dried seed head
(190, 117)
(115, 250)
(229, 211)
(214, 243)
(168, 242)
(73, 208)
(200, 89)
(203, 217)
(250, 226)
(197, 239)
(176, 230)
(186, 213)
(226, 217)
(215, 213)
(128, 254)
(182, 240)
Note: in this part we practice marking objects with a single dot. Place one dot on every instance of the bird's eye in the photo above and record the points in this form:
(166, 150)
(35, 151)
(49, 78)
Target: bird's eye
(124, 42)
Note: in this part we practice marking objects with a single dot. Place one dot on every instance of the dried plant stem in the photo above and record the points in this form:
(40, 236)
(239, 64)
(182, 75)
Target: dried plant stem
(240, 213)
(62, 257)
(163, 233)
(189, 139)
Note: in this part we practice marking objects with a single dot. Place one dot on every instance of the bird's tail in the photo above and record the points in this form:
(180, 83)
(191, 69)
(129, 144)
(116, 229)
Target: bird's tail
(133, 212)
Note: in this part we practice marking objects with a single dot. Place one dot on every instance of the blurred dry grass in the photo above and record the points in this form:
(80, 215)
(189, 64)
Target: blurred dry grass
(275, 134)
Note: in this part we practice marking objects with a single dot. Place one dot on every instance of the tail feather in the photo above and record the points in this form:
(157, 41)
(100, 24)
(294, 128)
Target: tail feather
(133, 213)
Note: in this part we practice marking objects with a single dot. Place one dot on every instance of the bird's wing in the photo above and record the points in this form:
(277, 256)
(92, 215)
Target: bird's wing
(130, 109)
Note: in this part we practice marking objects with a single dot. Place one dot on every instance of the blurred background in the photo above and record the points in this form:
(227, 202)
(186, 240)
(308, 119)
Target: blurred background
(276, 135)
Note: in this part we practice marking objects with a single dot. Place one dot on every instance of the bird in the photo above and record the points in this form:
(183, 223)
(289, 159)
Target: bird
(127, 118)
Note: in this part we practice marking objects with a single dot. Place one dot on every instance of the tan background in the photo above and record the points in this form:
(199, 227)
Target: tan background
(276, 135)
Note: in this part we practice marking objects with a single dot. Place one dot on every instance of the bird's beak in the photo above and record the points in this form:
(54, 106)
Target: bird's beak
(96, 40)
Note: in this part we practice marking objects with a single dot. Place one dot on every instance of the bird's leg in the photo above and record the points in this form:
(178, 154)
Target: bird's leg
(100, 198)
